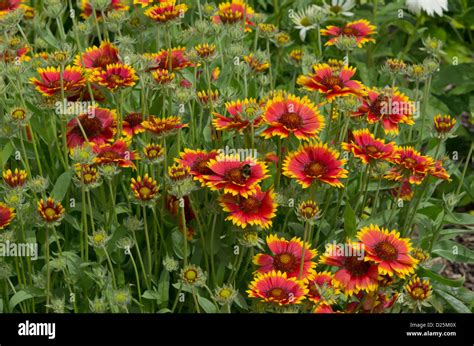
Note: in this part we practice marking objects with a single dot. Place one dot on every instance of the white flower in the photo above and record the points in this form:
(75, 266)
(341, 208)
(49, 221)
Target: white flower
(429, 6)
(308, 19)
(342, 7)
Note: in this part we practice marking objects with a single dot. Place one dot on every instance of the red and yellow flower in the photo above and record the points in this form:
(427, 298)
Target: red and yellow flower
(98, 57)
(234, 176)
(389, 107)
(115, 5)
(241, 111)
(331, 81)
(388, 250)
(286, 257)
(166, 11)
(285, 114)
(367, 148)
(16, 178)
(315, 162)
(359, 29)
(163, 126)
(116, 153)
(163, 60)
(7, 6)
(115, 76)
(419, 290)
(233, 12)
(443, 123)
(256, 64)
(50, 210)
(49, 82)
(163, 76)
(404, 191)
(256, 209)
(6, 215)
(355, 273)
(153, 152)
(98, 125)
(132, 124)
(316, 283)
(88, 175)
(437, 170)
(410, 164)
(276, 287)
(144, 188)
(197, 161)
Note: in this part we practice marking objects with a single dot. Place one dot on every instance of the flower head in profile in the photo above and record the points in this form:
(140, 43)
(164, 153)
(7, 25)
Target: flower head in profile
(162, 127)
(443, 124)
(286, 257)
(98, 125)
(48, 82)
(387, 106)
(320, 287)
(242, 114)
(235, 176)
(112, 5)
(132, 124)
(286, 114)
(331, 81)
(275, 287)
(174, 59)
(166, 11)
(153, 153)
(197, 161)
(87, 176)
(256, 62)
(234, 11)
(359, 29)
(410, 165)
(98, 57)
(14, 179)
(257, 209)
(116, 154)
(115, 76)
(355, 273)
(315, 162)
(6, 215)
(388, 250)
(367, 148)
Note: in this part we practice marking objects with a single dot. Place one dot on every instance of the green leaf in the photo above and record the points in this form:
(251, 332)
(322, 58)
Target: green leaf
(19, 297)
(61, 186)
(207, 305)
(152, 295)
(455, 303)
(5, 154)
(164, 287)
(350, 222)
(241, 303)
(423, 272)
(453, 251)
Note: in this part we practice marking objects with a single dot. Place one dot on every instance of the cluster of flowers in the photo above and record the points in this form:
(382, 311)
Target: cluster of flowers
(101, 142)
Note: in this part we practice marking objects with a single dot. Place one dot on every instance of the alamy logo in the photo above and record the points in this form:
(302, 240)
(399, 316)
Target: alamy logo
(240, 153)
(37, 329)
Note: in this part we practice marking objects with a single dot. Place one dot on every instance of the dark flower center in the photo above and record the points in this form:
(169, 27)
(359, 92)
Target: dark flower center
(92, 126)
(291, 120)
(200, 166)
(371, 149)
(236, 176)
(133, 119)
(315, 169)
(356, 266)
(109, 154)
(348, 31)
(331, 81)
(386, 251)
(278, 293)
(250, 205)
(285, 262)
